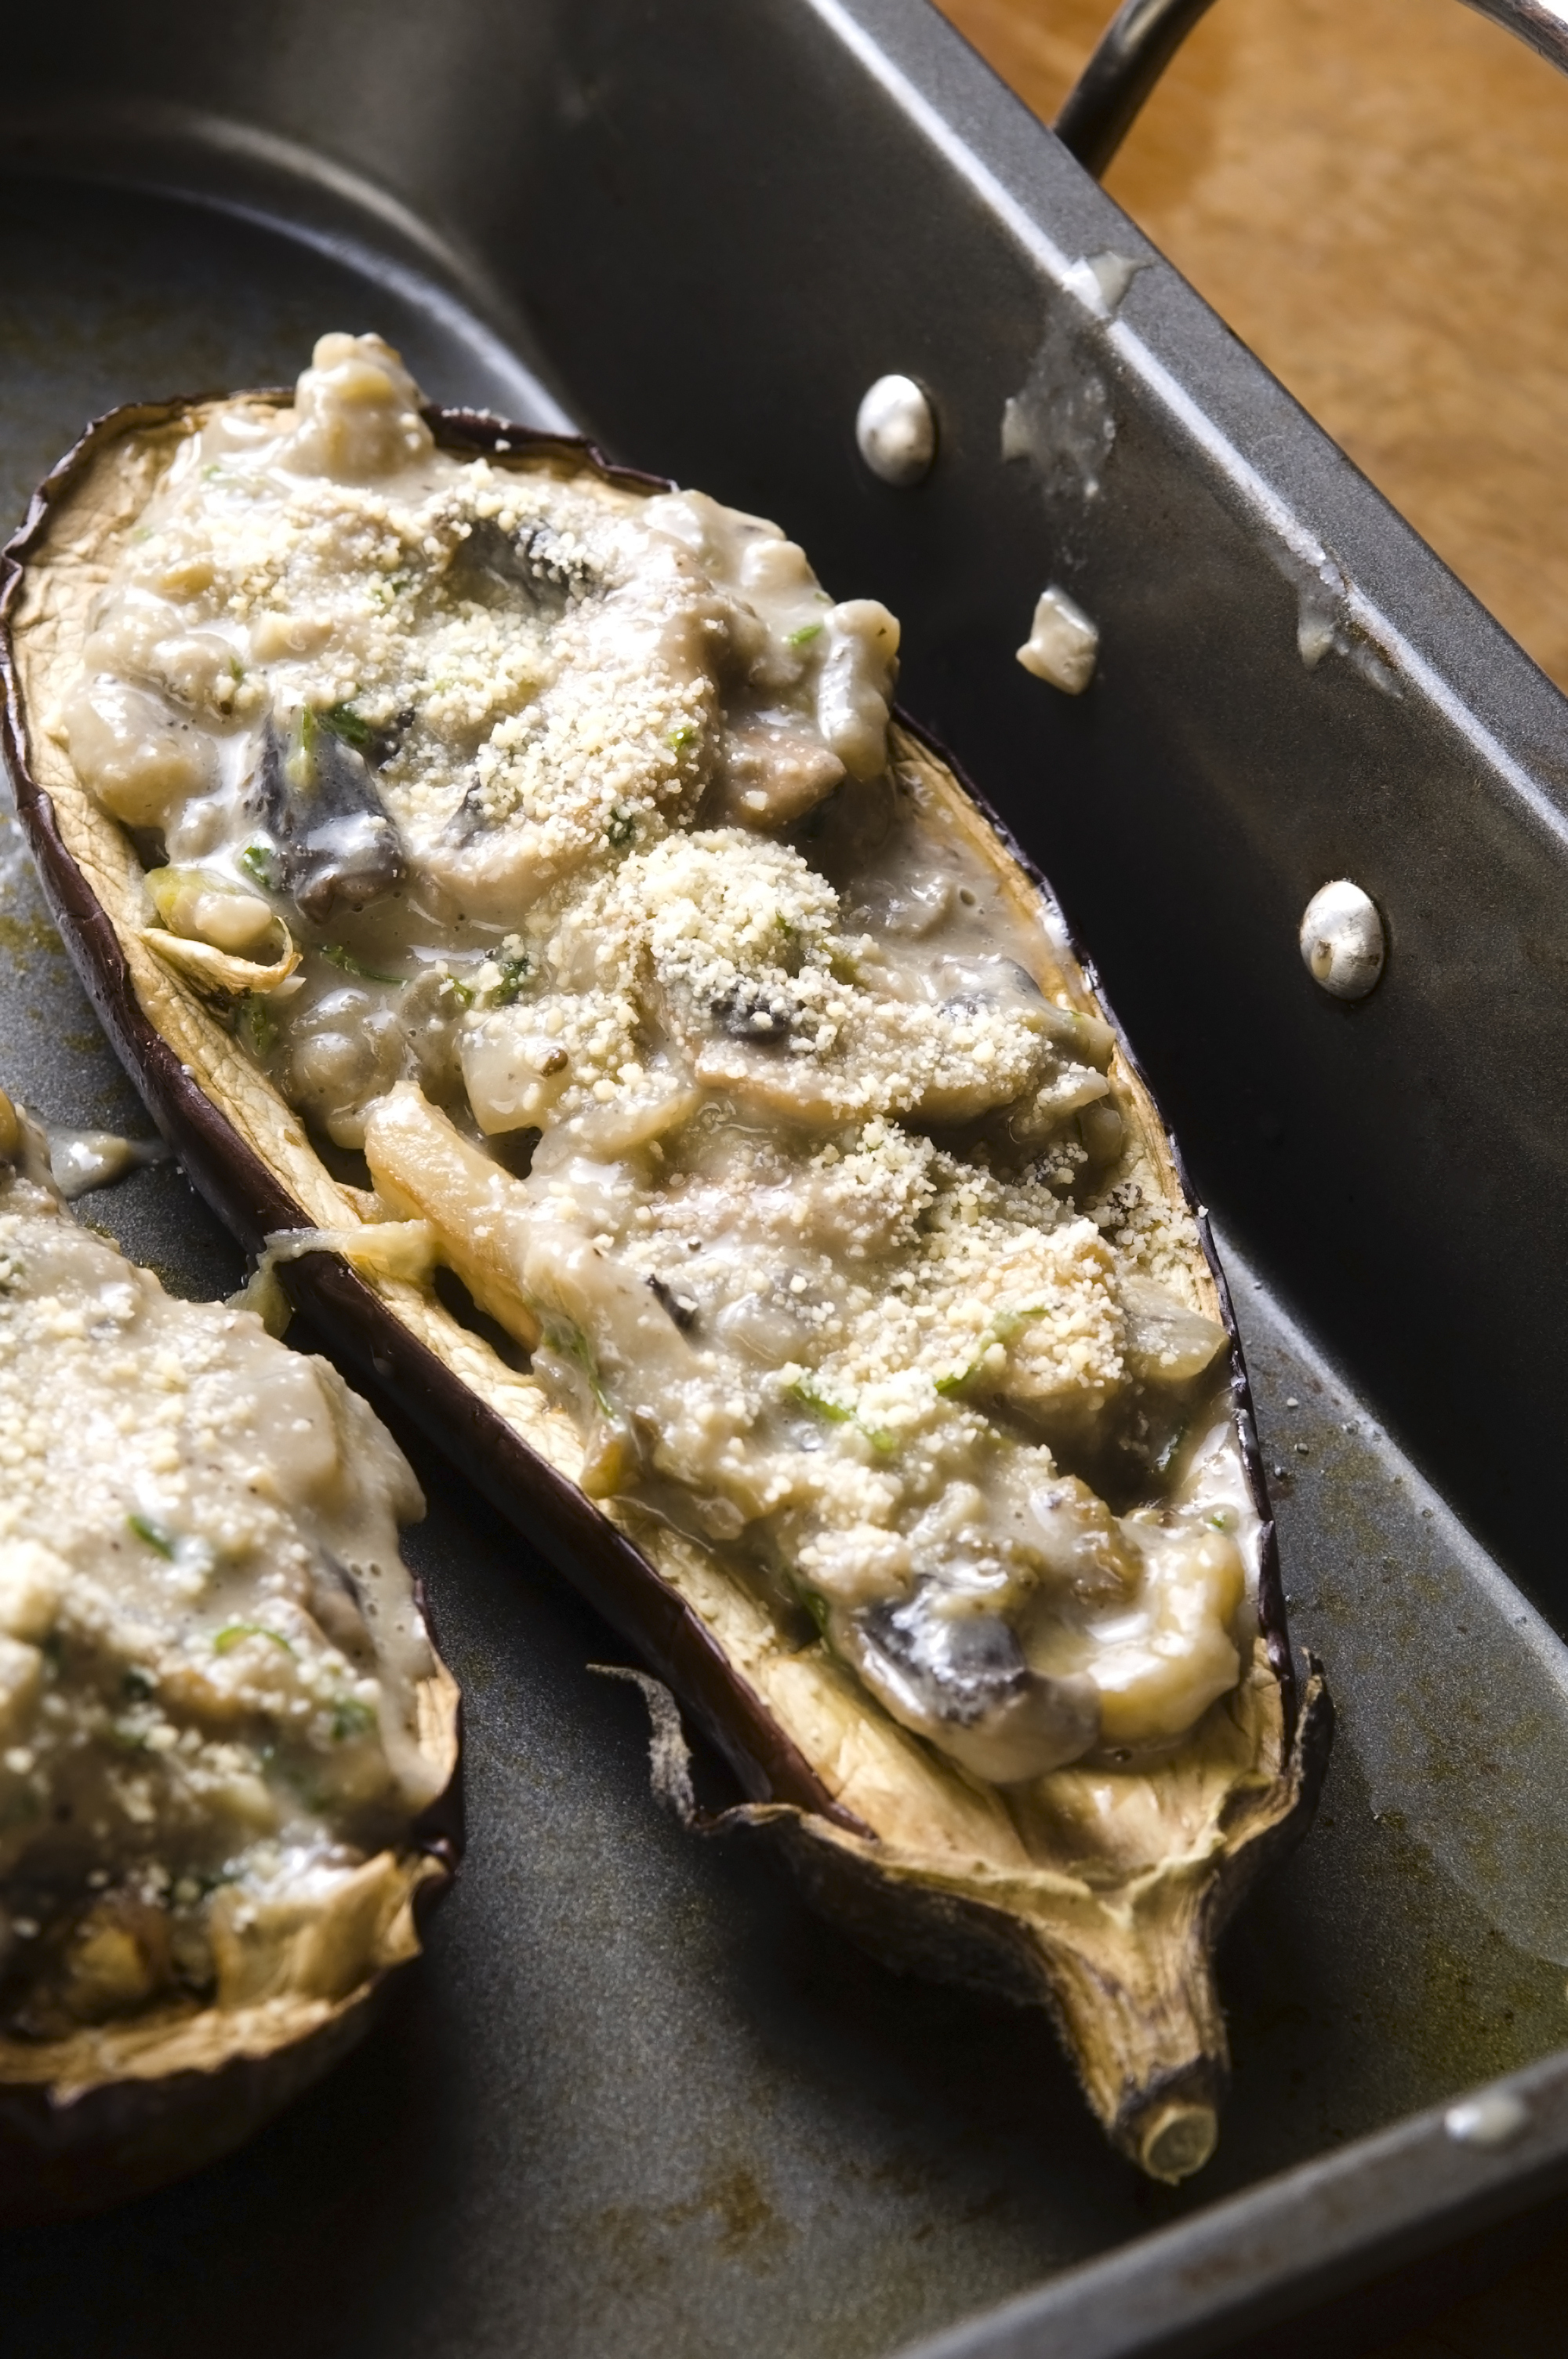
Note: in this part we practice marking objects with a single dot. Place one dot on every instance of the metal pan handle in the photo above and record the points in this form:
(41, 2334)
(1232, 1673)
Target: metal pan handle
(1144, 35)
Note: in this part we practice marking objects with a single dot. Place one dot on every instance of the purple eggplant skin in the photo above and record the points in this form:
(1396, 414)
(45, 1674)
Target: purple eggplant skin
(62, 2159)
(1149, 2045)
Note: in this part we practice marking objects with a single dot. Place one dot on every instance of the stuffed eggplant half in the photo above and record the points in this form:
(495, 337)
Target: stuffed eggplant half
(502, 874)
(227, 1747)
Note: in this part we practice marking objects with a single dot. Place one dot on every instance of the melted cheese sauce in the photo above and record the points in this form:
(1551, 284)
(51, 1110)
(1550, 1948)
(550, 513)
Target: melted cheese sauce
(634, 966)
(209, 1644)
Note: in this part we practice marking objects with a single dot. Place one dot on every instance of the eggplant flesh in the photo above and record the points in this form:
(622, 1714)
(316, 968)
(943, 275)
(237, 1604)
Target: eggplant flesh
(956, 1798)
(227, 1747)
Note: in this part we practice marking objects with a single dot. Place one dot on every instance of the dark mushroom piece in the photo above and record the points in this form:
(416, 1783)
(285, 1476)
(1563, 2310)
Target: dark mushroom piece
(326, 840)
(1003, 1721)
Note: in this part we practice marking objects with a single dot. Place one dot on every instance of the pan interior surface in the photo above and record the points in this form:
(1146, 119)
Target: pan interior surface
(639, 2100)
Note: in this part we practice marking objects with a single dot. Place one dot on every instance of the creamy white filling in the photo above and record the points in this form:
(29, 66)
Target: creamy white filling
(209, 1644)
(719, 1068)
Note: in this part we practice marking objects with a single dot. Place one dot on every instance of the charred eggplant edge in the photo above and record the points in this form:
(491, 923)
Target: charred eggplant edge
(912, 1926)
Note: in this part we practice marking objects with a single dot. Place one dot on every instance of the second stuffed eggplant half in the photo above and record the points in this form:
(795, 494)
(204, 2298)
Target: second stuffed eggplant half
(228, 1750)
(501, 869)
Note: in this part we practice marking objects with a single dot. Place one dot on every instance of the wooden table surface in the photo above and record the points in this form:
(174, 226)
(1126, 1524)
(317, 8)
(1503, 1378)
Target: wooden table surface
(1373, 193)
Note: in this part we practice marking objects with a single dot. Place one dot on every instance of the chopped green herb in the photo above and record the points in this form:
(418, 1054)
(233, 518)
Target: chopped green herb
(351, 1718)
(683, 734)
(815, 1605)
(1013, 1323)
(153, 1534)
(1001, 1329)
(340, 957)
(229, 1636)
(807, 632)
(623, 829)
(137, 1685)
(567, 1338)
(338, 720)
(375, 742)
(351, 726)
(257, 1024)
(881, 1437)
(804, 1391)
(516, 974)
(260, 863)
(236, 669)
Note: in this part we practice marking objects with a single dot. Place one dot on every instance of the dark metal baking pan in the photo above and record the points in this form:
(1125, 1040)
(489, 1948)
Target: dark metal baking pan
(641, 2101)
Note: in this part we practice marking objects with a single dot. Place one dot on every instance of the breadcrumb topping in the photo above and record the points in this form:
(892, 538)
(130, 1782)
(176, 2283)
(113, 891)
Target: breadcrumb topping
(823, 1219)
(208, 1641)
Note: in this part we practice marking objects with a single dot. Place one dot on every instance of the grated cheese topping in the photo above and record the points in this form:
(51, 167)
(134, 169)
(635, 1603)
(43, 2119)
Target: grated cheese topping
(818, 1214)
(209, 1644)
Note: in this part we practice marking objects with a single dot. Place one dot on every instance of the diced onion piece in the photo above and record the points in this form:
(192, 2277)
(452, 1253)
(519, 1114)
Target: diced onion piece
(424, 1168)
(208, 908)
(1161, 1671)
(133, 756)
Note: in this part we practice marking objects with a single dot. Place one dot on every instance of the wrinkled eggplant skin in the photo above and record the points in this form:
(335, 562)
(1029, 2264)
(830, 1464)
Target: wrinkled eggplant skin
(920, 1931)
(61, 2162)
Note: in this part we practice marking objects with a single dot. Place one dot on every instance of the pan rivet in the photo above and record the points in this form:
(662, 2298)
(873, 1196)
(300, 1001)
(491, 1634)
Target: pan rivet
(896, 428)
(1342, 939)
(1495, 2118)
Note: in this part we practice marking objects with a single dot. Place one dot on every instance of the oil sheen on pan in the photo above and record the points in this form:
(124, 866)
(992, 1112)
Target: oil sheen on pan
(506, 876)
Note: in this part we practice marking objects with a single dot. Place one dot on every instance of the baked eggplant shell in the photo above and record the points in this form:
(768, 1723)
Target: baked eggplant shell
(1115, 1931)
(121, 2108)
